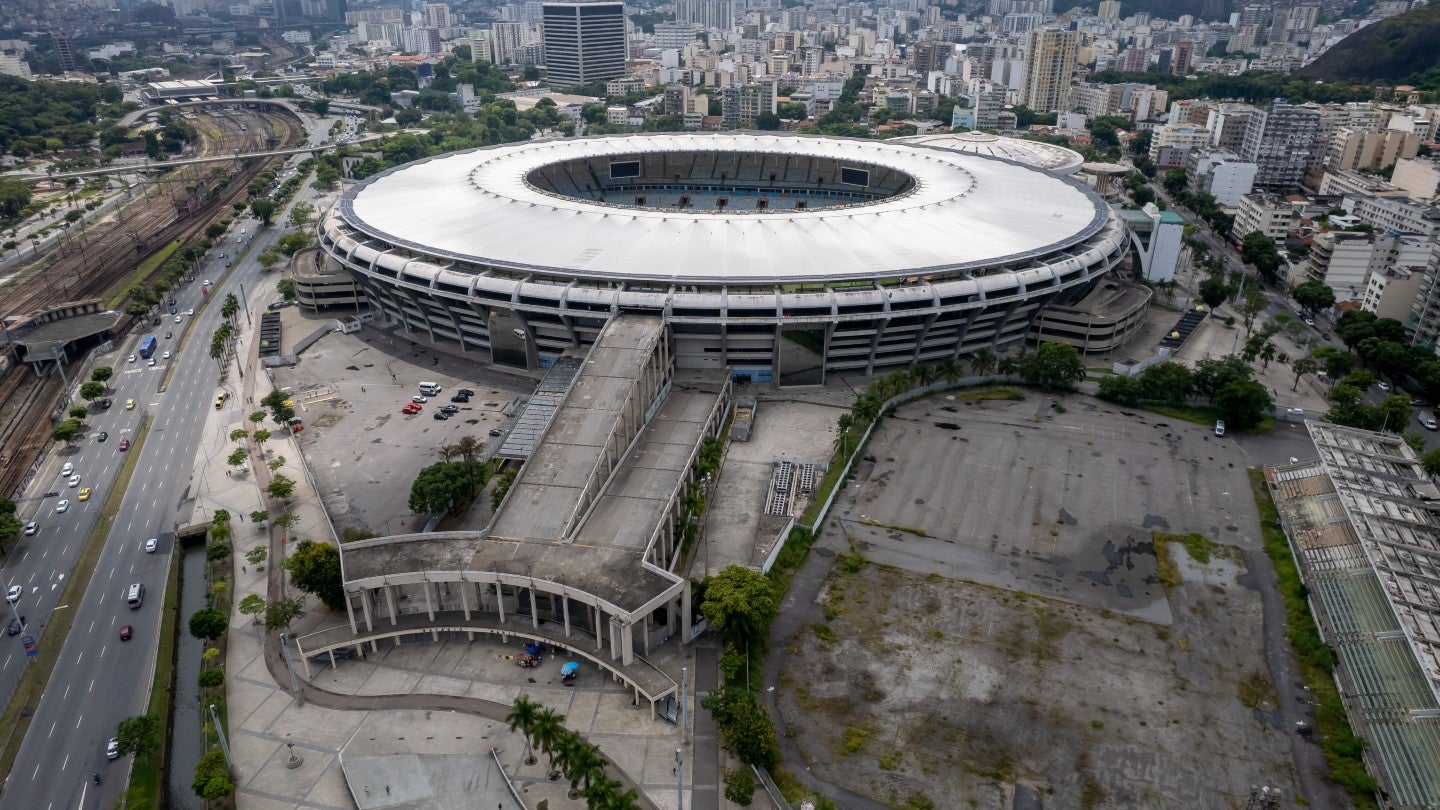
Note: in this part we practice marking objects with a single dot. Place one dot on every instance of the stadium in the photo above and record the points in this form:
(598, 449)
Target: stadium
(784, 258)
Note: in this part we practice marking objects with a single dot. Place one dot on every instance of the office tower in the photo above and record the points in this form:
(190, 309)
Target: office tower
(1050, 60)
(509, 40)
(1280, 140)
(1109, 9)
(740, 104)
(584, 42)
(420, 40)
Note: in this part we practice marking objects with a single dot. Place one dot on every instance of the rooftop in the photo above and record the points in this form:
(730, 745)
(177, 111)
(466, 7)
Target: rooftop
(1047, 156)
(962, 212)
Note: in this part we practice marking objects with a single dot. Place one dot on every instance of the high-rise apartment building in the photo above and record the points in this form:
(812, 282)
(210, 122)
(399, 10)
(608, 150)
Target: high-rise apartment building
(740, 104)
(584, 42)
(437, 15)
(1050, 61)
(420, 40)
(707, 14)
(1109, 9)
(508, 40)
(1181, 57)
(1280, 141)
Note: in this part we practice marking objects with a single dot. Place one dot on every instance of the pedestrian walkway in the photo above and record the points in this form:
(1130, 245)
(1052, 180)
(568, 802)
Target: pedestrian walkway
(419, 718)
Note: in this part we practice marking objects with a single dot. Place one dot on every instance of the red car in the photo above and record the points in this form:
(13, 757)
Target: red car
(125, 633)
(124, 445)
(411, 408)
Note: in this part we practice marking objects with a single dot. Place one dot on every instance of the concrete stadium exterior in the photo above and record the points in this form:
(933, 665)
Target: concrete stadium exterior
(784, 258)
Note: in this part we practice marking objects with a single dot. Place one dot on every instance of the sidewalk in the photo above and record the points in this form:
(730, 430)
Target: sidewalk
(417, 718)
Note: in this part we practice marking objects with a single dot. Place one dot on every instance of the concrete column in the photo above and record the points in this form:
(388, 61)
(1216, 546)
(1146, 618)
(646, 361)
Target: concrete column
(565, 607)
(614, 639)
(627, 643)
(685, 629)
(465, 599)
(365, 606)
(350, 611)
(645, 635)
(500, 602)
(599, 628)
(390, 602)
(429, 603)
(534, 618)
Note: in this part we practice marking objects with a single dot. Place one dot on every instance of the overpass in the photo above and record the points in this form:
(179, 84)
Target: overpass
(166, 165)
(133, 118)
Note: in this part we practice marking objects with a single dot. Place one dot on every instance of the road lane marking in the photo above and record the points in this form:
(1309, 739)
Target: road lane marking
(52, 728)
(92, 686)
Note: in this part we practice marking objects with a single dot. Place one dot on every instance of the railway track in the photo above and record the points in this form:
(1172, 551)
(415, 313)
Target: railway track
(88, 265)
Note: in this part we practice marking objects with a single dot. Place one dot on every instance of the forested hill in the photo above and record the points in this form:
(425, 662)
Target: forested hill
(1391, 51)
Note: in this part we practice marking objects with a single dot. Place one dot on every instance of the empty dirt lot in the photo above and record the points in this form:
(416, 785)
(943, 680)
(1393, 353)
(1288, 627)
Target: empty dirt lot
(1000, 625)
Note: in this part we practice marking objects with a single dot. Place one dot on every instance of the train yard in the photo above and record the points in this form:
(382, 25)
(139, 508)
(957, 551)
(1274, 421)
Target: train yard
(101, 260)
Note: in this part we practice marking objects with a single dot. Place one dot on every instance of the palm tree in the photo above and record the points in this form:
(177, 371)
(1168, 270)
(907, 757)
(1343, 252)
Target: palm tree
(629, 800)
(582, 765)
(468, 446)
(549, 728)
(1008, 365)
(949, 369)
(982, 362)
(522, 717)
(601, 792)
(924, 374)
(866, 409)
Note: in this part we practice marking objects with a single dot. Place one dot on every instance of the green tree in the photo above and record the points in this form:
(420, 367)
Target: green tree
(1313, 296)
(315, 568)
(102, 374)
(1052, 365)
(1174, 181)
(549, 730)
(259, 516)
(286, 288)
(1212, 374)
(92, 391)
(14, 196)
(280, 488)
(10, 525)
(1301, 367)
(252, 605)
(1431, 462)
(1243, 403)
(280, 613)
(439, 487)
(66, 431)
(210, 678)
(1121, 389)
(239, 434)
(78, 412)
(740, 786)
(1252, 303)
(740, 604)
(1170, 382)
(982, 362)
(207, 624)
(140, 736)
(237, 458)
(211, 775)
(744, 726)
(1214, 291)
(263, 209)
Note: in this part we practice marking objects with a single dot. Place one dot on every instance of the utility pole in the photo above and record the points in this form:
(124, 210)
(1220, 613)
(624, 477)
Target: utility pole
(220, 734)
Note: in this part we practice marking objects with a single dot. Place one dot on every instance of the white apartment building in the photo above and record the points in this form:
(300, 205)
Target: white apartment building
(1222, 175)
(1391, 293)
(1182, 138)
(1266, 213)
(1350, 149)
(1359, 266)
(1396, 214)
(1280, 139)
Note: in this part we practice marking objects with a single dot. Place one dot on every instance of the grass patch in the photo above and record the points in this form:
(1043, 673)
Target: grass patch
(794, 792)
(115, 295)
(985, 394)
(1343, 750)
(15, 721)
(1255, 689)
(853, 739)
(1198, 546)
(824, 632)
(146, 776)
(1165, 568)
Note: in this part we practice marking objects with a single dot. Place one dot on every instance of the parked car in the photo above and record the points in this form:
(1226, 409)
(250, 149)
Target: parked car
(1219, 427)
(449, 409)
(441, 415)
(460, 398)
(466, 391)
(13, 595)
(420, 399)
(496, 431)
(1383, 386)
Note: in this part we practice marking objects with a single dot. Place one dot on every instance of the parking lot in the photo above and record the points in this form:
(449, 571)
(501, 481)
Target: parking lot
(364, 452)
(1009, 608)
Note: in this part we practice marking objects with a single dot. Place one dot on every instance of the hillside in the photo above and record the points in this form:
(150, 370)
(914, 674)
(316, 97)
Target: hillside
(1388, 51)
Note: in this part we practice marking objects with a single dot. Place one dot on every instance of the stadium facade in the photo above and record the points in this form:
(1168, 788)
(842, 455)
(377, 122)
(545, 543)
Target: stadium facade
(784, 258)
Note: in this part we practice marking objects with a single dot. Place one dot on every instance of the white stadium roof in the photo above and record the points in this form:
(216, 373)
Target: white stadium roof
(1048, 156)
(964, 211)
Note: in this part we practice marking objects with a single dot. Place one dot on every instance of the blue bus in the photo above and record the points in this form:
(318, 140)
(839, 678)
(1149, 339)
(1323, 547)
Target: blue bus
(147, 346)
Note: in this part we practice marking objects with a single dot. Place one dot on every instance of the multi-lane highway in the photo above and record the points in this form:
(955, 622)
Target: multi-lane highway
(99, 679)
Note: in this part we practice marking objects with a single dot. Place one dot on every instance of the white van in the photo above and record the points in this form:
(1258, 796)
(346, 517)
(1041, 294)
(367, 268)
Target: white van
(136, 595)
(1428, 420)
(429, 389)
